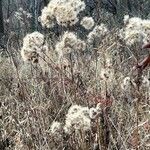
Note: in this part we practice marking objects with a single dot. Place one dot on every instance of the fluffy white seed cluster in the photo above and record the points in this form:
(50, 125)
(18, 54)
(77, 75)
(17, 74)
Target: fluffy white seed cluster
(32, 46)
(145, 82)
(97, 33)
(65, 12)
(106, 74)
(69, 42)
(87, 22)
(126, 83)
(22, 13)
(126, 19)
(136, 31)
(79, 118)
(56, 129)
(47, 18)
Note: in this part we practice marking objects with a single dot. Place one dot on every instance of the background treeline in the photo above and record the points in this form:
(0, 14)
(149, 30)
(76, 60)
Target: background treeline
(101, 10)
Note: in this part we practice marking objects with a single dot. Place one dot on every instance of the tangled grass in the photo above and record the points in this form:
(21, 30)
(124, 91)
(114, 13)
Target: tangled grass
(81, 94)
(32, 100)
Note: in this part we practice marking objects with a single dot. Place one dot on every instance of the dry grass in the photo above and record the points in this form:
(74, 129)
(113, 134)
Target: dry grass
(31, 100)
